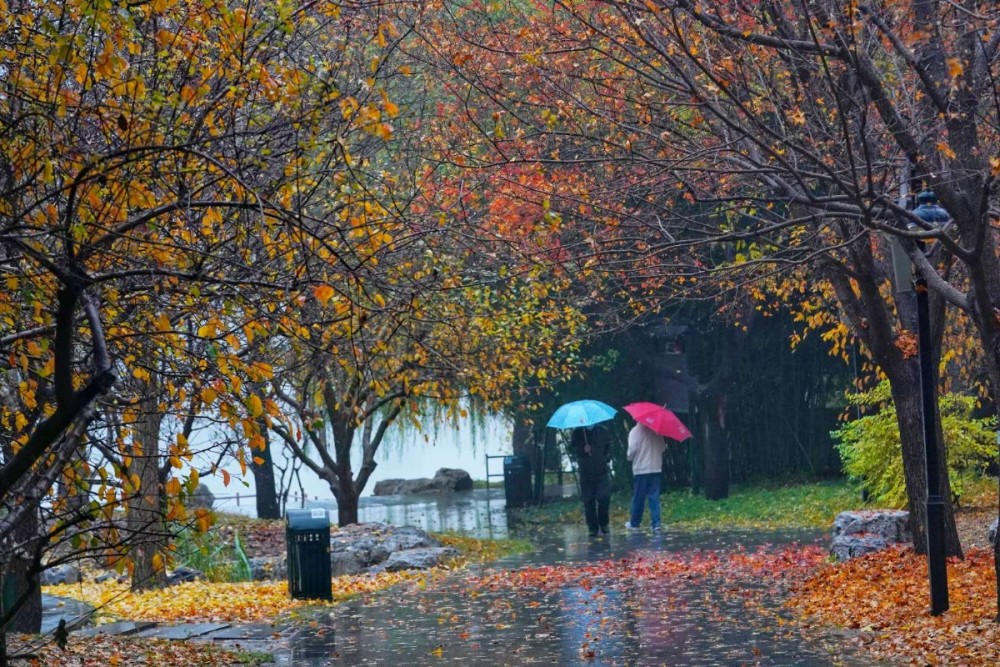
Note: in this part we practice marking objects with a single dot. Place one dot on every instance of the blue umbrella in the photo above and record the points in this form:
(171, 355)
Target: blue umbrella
(581, 413)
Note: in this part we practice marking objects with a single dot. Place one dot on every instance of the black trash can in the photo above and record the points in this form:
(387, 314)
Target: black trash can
(307, 533)
(517, 480)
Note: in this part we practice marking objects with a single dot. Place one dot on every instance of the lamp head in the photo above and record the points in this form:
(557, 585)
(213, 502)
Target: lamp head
(927, 197)
(929, 211)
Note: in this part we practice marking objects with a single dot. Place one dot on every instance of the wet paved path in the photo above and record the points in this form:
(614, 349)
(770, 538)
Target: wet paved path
(676, 620)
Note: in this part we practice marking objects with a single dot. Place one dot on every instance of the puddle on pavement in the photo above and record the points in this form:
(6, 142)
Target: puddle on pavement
(677, 621)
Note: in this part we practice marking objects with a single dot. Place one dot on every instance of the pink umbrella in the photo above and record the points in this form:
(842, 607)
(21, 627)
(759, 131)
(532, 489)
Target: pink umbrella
(659, 419)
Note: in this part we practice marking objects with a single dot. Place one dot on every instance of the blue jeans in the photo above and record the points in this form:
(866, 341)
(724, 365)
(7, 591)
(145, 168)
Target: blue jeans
(646, 487)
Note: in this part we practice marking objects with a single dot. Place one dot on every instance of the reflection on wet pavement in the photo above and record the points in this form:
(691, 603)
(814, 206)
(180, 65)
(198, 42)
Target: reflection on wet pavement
(686, 619)
(478, 513)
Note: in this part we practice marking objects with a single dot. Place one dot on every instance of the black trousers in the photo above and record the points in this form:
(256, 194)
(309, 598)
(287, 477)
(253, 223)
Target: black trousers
(596, 494)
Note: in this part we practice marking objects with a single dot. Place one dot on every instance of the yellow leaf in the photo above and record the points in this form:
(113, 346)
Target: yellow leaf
(208, 395)
(946, 150)
(163, 323)
(256, 406)
(955, 67)
(157, 562)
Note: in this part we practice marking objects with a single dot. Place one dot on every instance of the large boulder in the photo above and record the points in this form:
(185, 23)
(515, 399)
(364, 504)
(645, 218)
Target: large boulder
(61, 574)
(445, 480)
(360, 546)
(857, 533)
(202, 497)
(346, 562)
(268, 568)
(405, 487)
(184, 575)
(416, 559)
(454, 479)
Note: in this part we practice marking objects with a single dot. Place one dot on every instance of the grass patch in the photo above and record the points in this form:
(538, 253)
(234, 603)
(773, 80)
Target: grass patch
(806, 505)
(478, 551)
(252, 658)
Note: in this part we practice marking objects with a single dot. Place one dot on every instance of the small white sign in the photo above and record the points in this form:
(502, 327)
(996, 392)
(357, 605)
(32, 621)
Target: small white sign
(318, 513)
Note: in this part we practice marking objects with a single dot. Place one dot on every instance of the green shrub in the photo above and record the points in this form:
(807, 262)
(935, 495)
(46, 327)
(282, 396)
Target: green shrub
(219, 561)
(871, 452)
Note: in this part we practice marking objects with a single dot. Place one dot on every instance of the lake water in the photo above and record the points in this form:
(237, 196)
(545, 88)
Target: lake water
(405, 455)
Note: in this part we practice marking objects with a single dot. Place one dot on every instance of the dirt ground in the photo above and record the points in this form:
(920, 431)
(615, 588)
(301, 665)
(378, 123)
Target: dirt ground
(973, 526)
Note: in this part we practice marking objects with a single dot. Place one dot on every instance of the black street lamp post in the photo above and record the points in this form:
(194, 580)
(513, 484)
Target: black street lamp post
(931, 213)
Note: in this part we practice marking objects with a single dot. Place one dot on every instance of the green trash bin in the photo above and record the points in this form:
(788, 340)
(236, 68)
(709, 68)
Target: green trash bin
(517, 480)
(307, 533)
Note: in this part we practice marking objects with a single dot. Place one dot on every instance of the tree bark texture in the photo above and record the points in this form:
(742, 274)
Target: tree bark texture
(715, 447)
(263, 478)
(144, 508)
(20, 580)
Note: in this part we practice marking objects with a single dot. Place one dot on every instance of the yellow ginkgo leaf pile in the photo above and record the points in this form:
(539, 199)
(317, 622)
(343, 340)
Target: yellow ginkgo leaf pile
(106, 651)
(244, 602)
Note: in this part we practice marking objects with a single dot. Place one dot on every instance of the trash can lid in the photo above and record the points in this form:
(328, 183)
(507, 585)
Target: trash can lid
(308, 519)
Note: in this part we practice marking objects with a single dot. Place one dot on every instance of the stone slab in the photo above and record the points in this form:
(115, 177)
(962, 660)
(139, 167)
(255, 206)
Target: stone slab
(120, 628)
(252, 632)
(56, 609)
(183, 631)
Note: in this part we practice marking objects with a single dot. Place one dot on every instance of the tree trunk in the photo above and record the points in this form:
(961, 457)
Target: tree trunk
(345, 491)
(28, 618)
(906, 397)
(522, 443)
(347, 508)
(263, 478)
(144, 508)
(715, 447)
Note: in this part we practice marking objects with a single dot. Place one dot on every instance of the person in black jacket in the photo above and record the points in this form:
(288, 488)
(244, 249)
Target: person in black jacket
(591, 447)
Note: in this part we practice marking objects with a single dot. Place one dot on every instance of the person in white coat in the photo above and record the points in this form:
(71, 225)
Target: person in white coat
(645, 451)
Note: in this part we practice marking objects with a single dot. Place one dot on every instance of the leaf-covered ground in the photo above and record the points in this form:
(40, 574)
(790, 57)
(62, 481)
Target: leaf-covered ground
(880, 601)
(643, 607)
(246, 602)
(885, 598)
(787, 562)
(102, 651)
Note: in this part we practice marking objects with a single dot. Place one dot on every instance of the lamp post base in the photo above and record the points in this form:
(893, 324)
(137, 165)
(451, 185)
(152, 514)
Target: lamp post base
(936, 564)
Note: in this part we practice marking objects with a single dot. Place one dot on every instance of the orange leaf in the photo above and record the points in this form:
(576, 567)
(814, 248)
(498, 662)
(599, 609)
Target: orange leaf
(323, 293)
